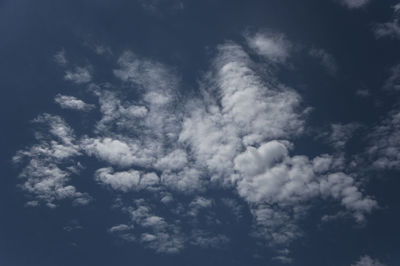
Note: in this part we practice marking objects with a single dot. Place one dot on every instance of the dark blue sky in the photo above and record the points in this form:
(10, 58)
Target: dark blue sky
(183, 132)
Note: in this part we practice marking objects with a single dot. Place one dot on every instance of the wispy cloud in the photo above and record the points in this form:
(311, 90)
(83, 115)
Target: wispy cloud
(352, 4)
(325, 59)
(367, 261)
(390, 28)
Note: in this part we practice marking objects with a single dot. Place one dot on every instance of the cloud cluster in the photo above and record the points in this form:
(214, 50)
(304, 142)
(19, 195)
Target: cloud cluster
(161, 144)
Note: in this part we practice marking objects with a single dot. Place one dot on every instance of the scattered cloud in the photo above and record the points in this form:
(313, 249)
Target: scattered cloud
(236, 135)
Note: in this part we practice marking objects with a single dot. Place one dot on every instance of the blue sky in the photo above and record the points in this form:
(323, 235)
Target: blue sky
(183, 132)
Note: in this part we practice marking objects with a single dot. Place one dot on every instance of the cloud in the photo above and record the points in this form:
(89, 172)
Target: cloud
(390, 28)
(70, 102)
(274, 47)
(60, 58)
(353, 4)
(393, 81)
(341, 133)
(367, 261)
(235, 135)
(79, 75)
(384, 139)
(44, 178)
(325, 59)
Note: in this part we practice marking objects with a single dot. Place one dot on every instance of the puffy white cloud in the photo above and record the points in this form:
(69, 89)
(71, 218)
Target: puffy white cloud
(79, 75)
(274, 47)
(117, 152)
(236, 135)
(71, 102)
(367, 261)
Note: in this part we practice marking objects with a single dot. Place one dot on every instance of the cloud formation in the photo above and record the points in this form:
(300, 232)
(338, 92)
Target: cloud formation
(236, 135)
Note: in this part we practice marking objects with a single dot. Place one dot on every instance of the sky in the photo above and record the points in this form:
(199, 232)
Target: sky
(213, 132)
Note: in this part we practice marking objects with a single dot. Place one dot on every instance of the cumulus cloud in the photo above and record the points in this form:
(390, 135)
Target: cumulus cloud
(71, 102)
(367, 261)
(79, 75)
(235, 135)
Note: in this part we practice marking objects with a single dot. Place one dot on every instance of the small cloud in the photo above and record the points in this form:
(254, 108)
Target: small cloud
(70, 102)
(390, 28)
(79, 75)
(274, 47)
(60, 58)
(367, 261)
(363, 93)
(325, 59)
(353, 4)
(392, 83)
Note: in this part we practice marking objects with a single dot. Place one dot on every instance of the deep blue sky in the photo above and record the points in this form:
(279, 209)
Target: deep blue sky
(337, 60)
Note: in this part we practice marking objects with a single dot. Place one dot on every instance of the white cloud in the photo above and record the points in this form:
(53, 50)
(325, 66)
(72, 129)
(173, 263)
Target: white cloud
(44, 180)
(274, 47)
(236, 135)
(79, 75)
(70, 102)
(367, 261)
